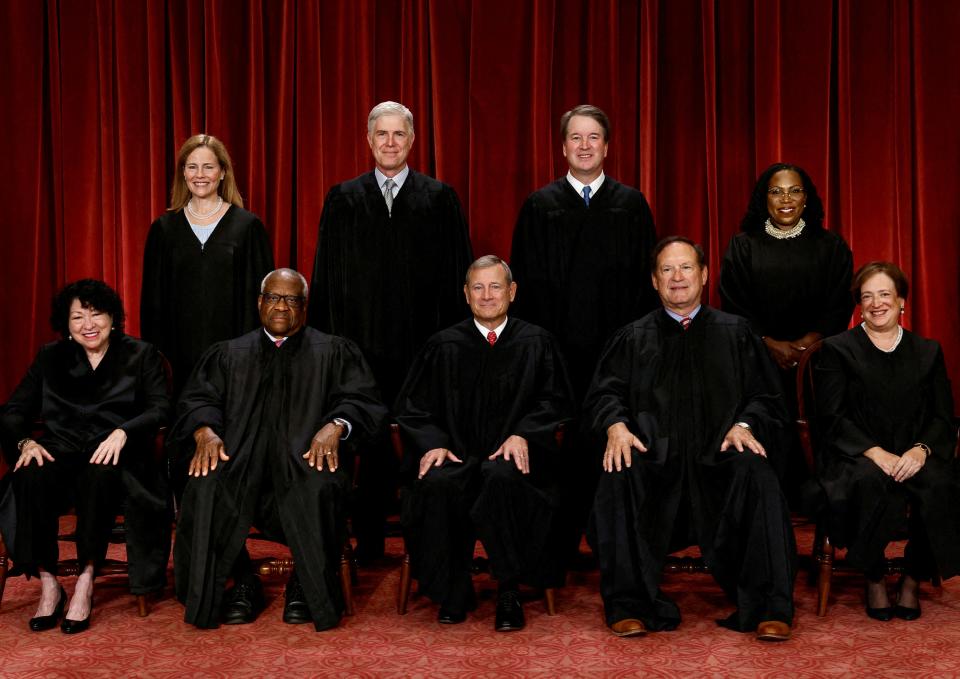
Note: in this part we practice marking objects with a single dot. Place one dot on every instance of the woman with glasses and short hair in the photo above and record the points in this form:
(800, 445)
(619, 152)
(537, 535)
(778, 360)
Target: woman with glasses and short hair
(790, 277)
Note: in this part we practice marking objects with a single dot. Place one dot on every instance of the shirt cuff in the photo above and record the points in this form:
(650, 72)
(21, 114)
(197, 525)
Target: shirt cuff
(346, 425)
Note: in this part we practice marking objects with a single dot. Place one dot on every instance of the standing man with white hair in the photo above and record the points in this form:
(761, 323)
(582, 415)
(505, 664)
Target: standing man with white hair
(391, 258)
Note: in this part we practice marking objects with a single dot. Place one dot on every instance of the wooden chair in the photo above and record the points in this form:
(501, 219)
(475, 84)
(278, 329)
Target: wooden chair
(824, 560)
(479, 566)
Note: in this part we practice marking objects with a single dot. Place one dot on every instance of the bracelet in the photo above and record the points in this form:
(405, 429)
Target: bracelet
(924, 447)
(22, 443)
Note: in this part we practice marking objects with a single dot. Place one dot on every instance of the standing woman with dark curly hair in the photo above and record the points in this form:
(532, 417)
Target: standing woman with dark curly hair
(204, 260)
(786, 274)
(102, 396)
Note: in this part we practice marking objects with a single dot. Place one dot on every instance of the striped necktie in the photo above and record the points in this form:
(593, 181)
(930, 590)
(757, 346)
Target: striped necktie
(685, 322)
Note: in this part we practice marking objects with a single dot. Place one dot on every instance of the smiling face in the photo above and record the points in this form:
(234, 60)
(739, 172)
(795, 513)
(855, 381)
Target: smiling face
(879, 303)
(786, 198)
(679, 278)
(489, 295)
(202, 172)
(390, 141)
(90, 328)
(585, 148)
(280, 318)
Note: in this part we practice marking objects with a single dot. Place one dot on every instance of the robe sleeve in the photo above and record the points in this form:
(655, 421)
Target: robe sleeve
(838, 429)
(939, 432)
(417, 405)
(608, 399)
(837, 307)
(153, 288)
(17, 414)
(736, 284)
(551, 404)
(320, 311)
(763, 405)
(152, 382)
(201, 401)
(354, 396)
(458, 256)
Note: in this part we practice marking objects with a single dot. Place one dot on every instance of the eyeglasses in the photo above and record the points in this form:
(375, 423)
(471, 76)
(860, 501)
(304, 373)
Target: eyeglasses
(780, 191)
(293, 301)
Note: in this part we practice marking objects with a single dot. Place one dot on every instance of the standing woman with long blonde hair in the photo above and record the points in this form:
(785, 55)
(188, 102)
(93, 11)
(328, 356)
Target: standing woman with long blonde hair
(204, 260)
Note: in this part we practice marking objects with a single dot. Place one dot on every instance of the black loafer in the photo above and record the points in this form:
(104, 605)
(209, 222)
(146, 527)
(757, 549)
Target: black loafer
(69, 626)
(295, 608)
(509, 612)
(42, 623)
(448, 617)
(244, 601)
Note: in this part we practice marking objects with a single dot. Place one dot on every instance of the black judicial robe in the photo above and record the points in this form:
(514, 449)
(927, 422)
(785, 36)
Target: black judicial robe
(582, 273)
(469, 397)
(80, 407)
(680, 392)
(389, 282)
(789, 287)
(267, 403)
(193, 295)
(865, 398)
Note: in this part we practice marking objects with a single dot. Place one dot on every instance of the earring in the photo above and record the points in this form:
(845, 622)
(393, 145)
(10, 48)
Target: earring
(901, 310)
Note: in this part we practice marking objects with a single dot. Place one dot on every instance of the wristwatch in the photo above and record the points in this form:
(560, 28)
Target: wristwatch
(23, 442)
(742, 424)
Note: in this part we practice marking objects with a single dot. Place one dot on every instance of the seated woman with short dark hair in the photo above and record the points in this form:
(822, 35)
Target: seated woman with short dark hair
(101, 396)
(885, 412)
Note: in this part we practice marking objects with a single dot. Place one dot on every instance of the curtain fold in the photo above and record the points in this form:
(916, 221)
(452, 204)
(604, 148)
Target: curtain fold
(702, 95)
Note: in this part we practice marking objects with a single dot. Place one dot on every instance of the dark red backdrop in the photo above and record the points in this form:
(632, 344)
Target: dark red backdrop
(703, 94)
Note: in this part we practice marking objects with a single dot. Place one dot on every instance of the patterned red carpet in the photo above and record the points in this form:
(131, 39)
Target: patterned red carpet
(379, 643)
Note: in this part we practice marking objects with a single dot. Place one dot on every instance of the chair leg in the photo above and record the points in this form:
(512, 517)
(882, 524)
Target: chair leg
(548, 594)
(825, 558)
(346, 583)
(403, 592)
(142, 609)
(3, 568)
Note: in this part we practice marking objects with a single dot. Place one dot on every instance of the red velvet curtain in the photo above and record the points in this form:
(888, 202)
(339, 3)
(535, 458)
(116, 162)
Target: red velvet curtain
(98, 96)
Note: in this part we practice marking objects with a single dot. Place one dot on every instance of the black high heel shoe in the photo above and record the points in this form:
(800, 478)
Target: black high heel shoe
(42, 623)
(903, 612)
(69, 626)
(884, 614)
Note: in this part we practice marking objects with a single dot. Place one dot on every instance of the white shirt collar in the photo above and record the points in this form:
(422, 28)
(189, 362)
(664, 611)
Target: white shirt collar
(578, 185)
(484, 330)
(274, 339)
(398, 179)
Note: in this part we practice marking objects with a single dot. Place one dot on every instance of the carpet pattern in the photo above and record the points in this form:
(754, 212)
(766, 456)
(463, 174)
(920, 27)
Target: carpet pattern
(377, 642)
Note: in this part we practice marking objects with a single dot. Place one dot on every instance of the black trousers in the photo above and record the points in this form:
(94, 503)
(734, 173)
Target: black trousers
(44, 493)
(448, 509)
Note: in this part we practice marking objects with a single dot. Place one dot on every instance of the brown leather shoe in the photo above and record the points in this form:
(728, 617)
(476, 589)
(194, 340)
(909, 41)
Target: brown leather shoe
(773, 630)
(628, 627)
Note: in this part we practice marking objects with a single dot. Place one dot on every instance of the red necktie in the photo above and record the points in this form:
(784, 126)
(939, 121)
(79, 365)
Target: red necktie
(685, 322)
(278, 342)
(492, 337)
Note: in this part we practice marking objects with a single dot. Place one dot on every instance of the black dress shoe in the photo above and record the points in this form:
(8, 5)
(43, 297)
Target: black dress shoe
(509, 612)
(884, 614)
(244, 601)
(295, 608)
(69, 626)
(448, 617)
(44, 622)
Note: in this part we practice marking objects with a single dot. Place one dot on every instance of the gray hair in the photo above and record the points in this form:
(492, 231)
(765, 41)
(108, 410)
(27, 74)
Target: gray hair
(286, 272)
(486, 262)
(389, 108)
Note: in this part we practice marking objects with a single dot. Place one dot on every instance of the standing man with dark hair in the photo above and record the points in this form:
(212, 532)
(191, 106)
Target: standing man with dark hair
(391, 257)
(581, 252)
(690, 406)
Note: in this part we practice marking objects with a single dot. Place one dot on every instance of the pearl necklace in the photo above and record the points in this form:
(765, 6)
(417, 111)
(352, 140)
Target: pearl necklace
(896, 342)
(207, 215)
(780, 234)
